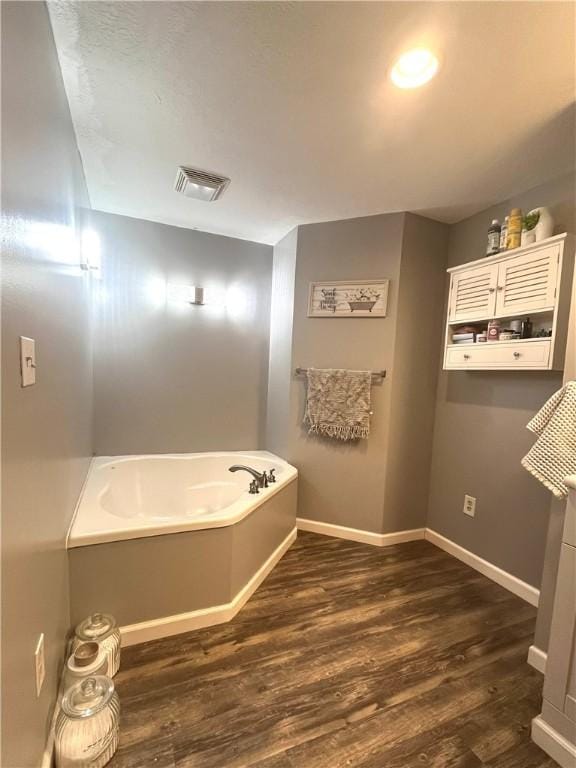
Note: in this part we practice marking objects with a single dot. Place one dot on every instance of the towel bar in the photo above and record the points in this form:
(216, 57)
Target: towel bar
(378, 375)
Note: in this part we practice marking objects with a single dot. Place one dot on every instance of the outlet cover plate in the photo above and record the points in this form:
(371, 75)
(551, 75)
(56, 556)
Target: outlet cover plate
(469, 505)
(40, 664)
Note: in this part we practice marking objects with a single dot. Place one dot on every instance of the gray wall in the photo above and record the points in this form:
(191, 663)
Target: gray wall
(343, 483)
(362, 484)
(480, 429)
(281, 325)
(46, 438)
(414, 373)
(176, 378)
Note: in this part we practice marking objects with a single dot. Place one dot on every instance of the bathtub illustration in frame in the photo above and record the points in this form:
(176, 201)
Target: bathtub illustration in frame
(352, 298)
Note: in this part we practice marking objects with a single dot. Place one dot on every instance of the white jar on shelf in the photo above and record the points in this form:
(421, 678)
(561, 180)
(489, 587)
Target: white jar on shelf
(87, 660)
(87, 724)
(102, 628)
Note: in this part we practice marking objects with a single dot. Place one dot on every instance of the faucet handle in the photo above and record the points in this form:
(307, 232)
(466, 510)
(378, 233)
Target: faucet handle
(271, 476)
(254, 487)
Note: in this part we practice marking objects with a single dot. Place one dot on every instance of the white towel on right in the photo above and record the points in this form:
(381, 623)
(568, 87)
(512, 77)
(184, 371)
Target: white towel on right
(553, 456)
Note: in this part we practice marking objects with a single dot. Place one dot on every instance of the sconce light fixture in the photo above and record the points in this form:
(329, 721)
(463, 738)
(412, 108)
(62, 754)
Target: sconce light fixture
(187, 294)
(90, 251)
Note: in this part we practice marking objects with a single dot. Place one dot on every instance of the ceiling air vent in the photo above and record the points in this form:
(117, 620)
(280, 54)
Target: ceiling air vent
(200, 185)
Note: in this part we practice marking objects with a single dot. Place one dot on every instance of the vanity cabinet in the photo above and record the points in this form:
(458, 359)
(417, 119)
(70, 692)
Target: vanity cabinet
(555, 729)
(534, 282)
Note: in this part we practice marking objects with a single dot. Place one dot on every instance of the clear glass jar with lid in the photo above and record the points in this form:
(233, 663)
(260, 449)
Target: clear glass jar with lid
(102, 628)
(87, 724)
(88, 660)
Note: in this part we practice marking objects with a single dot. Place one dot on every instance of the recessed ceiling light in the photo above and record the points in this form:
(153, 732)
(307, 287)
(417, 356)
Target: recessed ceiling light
(414, 68)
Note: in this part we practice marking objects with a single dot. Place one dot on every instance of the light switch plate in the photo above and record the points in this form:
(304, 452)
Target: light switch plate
(27, 361)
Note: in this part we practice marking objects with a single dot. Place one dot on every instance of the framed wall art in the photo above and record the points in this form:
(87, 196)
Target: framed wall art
(352, 298)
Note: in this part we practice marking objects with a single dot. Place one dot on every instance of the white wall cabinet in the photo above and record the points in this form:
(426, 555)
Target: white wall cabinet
(534, 282)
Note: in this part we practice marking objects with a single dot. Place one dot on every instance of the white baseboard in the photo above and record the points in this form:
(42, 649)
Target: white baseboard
(537, 659)
(356, 534)
(133, 634)
(553, 743)
(505, 579)
(48, 754)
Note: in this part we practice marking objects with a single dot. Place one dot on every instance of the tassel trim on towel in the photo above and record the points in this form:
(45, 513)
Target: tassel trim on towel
(559, 492)
(341, 431)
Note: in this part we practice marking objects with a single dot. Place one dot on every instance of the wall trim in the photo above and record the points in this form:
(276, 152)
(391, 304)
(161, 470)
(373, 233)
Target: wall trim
(537, 658)
(48, 756)
(553, 743)
(133, 634)
(512, 583)
(358, 535)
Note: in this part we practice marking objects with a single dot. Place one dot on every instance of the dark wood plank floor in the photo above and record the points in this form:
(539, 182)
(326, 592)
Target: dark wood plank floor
(347, 655)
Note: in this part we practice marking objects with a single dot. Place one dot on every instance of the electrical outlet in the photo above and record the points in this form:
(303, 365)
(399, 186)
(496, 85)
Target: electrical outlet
(469, 505)
(40, 664)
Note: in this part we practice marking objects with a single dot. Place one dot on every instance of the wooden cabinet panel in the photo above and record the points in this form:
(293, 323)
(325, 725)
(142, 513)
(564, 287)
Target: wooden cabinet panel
(562, 631)
(530, 354)
(473, 293)
(527, 282)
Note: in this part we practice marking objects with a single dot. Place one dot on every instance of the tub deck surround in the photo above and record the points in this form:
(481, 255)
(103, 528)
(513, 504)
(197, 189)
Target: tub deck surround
(129, 497)
(163, 575)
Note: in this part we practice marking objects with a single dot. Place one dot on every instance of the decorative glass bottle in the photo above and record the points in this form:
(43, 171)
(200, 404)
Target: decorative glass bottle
(87, 724)
(102, 628)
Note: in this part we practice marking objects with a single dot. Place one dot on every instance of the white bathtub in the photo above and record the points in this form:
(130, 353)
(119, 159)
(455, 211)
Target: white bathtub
(131, 497)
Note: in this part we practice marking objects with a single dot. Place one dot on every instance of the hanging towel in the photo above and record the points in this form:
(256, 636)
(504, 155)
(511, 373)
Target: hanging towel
(553, 456)
(338, 403)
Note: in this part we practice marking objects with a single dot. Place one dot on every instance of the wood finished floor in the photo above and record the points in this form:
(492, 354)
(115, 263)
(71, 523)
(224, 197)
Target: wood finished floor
(347, 655)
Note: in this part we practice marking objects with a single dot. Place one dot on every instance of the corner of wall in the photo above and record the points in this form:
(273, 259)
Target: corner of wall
(281, 337)
(415, 372)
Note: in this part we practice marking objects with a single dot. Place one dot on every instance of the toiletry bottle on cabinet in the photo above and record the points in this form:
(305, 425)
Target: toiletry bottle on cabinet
(493, 332)
(504, 234)
(514, 229)
(493, 245)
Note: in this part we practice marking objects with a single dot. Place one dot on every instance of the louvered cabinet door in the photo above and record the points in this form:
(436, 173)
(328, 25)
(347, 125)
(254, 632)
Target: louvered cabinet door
(527, 282)
(473, 293)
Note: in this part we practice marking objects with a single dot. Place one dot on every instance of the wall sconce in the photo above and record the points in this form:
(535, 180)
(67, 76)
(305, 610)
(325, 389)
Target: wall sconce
(187, 294)
(90, 251)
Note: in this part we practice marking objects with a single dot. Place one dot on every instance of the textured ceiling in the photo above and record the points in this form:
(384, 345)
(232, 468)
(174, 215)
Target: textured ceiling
(292, 101)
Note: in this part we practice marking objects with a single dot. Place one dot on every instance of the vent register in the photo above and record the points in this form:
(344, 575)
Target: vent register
(200, 185)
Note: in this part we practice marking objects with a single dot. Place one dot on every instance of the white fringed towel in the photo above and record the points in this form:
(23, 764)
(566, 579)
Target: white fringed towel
(338, 403)
(553, 456)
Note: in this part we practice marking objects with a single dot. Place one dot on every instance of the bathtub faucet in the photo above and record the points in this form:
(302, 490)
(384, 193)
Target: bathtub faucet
(260, 478)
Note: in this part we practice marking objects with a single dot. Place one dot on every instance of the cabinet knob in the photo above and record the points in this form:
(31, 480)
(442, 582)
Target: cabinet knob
(516, 355)
(500, 287)
(466, 357)
(491, 290)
